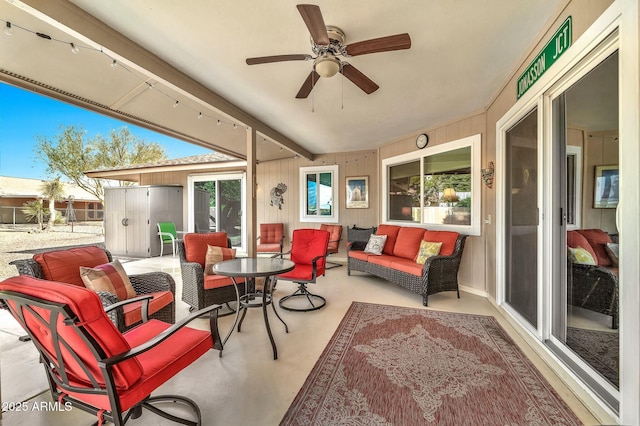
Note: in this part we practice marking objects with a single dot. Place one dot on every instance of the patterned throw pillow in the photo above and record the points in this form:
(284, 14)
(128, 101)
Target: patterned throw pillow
(427, 249)
(581, 256)
(375, 244)
(216, 254)
(109, 277)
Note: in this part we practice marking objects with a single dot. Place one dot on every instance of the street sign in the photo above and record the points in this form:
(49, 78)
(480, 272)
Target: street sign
(554, 48)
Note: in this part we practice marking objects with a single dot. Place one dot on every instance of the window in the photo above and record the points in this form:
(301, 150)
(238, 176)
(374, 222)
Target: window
(438, 187)
(319, 191)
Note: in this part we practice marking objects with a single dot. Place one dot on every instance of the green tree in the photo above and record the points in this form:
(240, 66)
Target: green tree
(70, 154)
(53, 190)
(34, 210)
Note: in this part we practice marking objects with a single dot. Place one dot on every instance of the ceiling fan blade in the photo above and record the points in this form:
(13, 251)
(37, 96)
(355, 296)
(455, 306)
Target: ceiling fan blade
(315, 23)
(382, 44)
(277, 58)
(308, 84)
(359, 79)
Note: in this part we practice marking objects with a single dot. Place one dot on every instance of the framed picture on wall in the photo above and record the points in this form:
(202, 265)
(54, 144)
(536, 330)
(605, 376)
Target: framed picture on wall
(358, 192)
(605, 187)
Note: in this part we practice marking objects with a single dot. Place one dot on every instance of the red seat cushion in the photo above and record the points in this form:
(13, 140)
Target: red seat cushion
(598, 240)
(268, 248)
(133, 311)
(382, 260)
(195, 245)
(447, 238)
(217, 281)
(158, 364)
(361, 255)
(271, 233)
(408, 242)
(302, 272)
(391, 231)
(64, 265)
(408, 266)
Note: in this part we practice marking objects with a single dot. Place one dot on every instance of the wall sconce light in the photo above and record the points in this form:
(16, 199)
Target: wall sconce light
(487, 175)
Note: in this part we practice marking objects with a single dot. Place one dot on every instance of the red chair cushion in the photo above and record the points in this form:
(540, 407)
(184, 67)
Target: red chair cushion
(302, 272)
(217, 281)
(408, 242)
(391, 231)
(195, 245)
(361, 255)
(598, 240)
(86, 305)
(158, 364)
(447, 238)
(335, 234)
(64, 265)
(308, 244)
(271, 233)
(133, 311)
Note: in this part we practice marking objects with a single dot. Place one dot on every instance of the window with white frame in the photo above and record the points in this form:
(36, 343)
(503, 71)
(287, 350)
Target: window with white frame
(319, 194)
(438, 187)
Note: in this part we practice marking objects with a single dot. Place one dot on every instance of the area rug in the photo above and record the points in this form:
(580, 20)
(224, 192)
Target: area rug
(600, 349)
(388, 365)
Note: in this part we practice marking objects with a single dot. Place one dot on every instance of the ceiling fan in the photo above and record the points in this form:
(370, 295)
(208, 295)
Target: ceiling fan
(328, 44)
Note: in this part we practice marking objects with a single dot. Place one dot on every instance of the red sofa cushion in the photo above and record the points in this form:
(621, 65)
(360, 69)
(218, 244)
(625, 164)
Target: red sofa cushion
(382, 260)
(86, 305)
(195, 245)
(408, 266)
(361, 255)
(408, 242)
(64, 265)
(598, 239)
(447, 238)
(391, 231)
(576, 239)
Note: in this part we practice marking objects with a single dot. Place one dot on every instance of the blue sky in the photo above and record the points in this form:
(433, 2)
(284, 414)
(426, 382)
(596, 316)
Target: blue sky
(25, 115)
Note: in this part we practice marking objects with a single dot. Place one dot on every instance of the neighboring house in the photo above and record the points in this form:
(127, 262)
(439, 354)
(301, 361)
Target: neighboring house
(16, 192)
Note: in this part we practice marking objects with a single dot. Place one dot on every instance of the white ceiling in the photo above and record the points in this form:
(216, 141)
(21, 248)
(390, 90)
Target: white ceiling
(462, 52)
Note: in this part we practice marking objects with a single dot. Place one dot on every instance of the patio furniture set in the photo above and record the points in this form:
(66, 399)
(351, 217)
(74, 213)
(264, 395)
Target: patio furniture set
(107, 339)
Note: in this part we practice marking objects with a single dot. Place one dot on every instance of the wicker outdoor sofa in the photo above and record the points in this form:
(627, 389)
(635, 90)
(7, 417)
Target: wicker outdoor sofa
(593, 284)
(64, 266)
(397, 263)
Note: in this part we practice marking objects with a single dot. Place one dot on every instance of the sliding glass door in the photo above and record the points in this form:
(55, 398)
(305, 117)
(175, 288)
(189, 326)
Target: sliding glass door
(521, 217)
(585, 302)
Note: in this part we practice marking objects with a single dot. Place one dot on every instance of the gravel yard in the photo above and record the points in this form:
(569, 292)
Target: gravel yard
(24, 240)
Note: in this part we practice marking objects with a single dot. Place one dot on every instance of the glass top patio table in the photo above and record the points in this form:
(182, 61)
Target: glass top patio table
(251, 268)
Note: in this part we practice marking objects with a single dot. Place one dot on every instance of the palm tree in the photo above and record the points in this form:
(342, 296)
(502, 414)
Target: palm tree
(34, 210)
(53, 190)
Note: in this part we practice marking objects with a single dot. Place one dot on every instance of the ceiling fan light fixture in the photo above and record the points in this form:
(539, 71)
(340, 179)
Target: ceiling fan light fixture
(327, 66)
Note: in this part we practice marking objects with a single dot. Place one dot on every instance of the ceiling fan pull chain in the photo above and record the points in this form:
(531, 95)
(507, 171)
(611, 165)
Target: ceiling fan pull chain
(342, 94)
(313, 97)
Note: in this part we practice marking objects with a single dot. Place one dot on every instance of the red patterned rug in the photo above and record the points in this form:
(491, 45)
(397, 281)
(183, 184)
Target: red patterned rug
(388, 365)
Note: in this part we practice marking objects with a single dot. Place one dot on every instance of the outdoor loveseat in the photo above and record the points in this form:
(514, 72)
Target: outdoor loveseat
(397, 262)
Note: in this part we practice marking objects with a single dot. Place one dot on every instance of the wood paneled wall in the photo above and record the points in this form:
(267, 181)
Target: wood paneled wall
(271, 173)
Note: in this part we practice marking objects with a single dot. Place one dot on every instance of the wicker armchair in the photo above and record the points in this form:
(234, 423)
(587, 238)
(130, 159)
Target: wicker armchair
(198, 290)
(143, 284)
